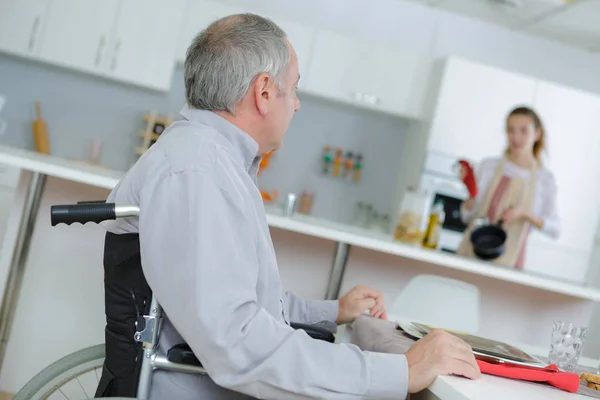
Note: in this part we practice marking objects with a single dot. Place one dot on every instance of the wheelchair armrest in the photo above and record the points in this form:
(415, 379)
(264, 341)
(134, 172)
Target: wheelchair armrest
(315, 331)
(183, 354)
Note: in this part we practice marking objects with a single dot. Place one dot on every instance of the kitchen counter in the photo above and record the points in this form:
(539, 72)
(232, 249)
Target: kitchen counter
(106, 178)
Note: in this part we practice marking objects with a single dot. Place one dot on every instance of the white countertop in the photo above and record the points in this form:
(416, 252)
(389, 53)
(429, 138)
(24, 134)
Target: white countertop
(107, 178)
(59, 167)
(495, 388)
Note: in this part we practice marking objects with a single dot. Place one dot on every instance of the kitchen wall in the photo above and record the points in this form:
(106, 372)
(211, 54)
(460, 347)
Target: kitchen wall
(79, 107)
(297, 165)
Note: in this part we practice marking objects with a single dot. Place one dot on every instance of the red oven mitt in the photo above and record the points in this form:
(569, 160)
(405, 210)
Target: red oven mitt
(468, 177)
(551, 375)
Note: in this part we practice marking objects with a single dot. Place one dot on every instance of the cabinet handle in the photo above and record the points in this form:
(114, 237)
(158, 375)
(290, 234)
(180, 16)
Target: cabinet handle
(370, 99)
(100, 50)
(34, 31)
(365, 98)
(113, 64)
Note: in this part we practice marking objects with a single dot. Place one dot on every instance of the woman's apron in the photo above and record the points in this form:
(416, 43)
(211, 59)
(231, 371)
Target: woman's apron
(503, 193)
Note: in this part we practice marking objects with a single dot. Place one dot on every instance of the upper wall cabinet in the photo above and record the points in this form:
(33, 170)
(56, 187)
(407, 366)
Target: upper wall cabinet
(21, 25)
(77, 33)
(129, 40)
(368, 74)
(144, 42)
(200, 14)
(472, 102)
(301, 38)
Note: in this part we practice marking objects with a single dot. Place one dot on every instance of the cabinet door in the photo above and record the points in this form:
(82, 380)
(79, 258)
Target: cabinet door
(367, 74)
(402, 80)
(21, 25)
(572, 121)
(301, 37)
(77, 32)
(469, 118)
(143, 46)
(200, 14)
(333, 58)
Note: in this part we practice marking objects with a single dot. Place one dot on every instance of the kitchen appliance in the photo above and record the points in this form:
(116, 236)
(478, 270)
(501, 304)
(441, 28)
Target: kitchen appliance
(3, 125)
(440, 179)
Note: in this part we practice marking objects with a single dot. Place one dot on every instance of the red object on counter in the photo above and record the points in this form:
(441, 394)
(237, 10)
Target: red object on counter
(468, 177)
(551, 375)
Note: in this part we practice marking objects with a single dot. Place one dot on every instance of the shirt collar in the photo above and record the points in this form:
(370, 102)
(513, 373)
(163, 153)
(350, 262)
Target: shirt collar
(244, 145)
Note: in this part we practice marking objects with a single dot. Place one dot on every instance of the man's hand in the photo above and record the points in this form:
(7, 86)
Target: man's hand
(439, 353)
(359, 299)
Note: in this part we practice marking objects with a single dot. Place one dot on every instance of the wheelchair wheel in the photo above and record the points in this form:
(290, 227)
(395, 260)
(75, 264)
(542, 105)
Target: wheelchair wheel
(75, 376)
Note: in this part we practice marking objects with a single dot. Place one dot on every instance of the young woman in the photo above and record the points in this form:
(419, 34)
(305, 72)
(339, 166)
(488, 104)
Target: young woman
(516, 189)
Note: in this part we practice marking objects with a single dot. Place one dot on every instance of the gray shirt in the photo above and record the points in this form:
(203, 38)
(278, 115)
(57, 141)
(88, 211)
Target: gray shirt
(207, 254)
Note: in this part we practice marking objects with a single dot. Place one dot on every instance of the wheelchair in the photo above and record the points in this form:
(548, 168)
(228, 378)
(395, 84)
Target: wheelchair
(87, 373)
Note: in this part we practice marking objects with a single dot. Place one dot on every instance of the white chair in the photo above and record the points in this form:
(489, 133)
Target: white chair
(438, 301)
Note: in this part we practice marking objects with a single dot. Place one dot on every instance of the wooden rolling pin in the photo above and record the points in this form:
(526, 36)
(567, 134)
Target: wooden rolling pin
(40, 132)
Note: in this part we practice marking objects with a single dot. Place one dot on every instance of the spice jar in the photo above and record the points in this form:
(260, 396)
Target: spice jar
(306, 203)
(412, 217)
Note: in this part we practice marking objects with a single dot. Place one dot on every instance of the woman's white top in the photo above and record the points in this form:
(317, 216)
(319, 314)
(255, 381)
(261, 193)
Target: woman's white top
(544, 204)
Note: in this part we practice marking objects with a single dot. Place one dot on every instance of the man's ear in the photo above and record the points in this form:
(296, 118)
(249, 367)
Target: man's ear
(262, 93)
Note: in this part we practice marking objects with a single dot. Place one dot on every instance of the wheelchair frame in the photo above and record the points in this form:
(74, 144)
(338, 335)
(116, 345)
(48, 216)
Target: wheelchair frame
(99, 211)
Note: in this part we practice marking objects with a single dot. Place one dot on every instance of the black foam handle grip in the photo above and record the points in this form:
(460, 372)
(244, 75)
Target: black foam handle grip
(82, 213)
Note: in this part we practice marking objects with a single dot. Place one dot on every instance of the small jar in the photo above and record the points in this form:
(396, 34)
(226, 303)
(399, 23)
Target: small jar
(306, 203)
(412, 217)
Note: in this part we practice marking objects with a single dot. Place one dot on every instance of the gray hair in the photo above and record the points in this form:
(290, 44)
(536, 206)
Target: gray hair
(225, 59)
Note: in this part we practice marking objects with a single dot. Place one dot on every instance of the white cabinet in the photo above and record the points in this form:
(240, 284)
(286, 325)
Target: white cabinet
(301, 37)
(471, 106)
(198, 16)
(368, 74)
(128, 40)
(77, 33)
(144, 42)
(572, 121)
(21, 25)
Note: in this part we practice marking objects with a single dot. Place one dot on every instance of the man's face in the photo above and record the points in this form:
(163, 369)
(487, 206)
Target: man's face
(285, 103)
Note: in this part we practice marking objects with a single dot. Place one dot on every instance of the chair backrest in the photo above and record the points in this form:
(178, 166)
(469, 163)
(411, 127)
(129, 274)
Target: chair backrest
(438, 301)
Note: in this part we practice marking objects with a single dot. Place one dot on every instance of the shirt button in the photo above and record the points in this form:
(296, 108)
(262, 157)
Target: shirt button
(324, 313)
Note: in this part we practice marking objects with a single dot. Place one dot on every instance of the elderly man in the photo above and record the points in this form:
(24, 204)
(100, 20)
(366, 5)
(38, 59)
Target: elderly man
(208, 256)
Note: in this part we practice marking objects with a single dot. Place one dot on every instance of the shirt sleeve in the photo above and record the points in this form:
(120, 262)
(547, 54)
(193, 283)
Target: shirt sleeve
(310, 311)
(199, 257)
(549, 210)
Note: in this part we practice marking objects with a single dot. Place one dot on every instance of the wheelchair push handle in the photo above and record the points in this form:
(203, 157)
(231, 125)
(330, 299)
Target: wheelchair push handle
(95, 212)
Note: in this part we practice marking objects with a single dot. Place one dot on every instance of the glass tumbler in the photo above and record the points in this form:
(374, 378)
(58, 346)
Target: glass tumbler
(566, 344)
